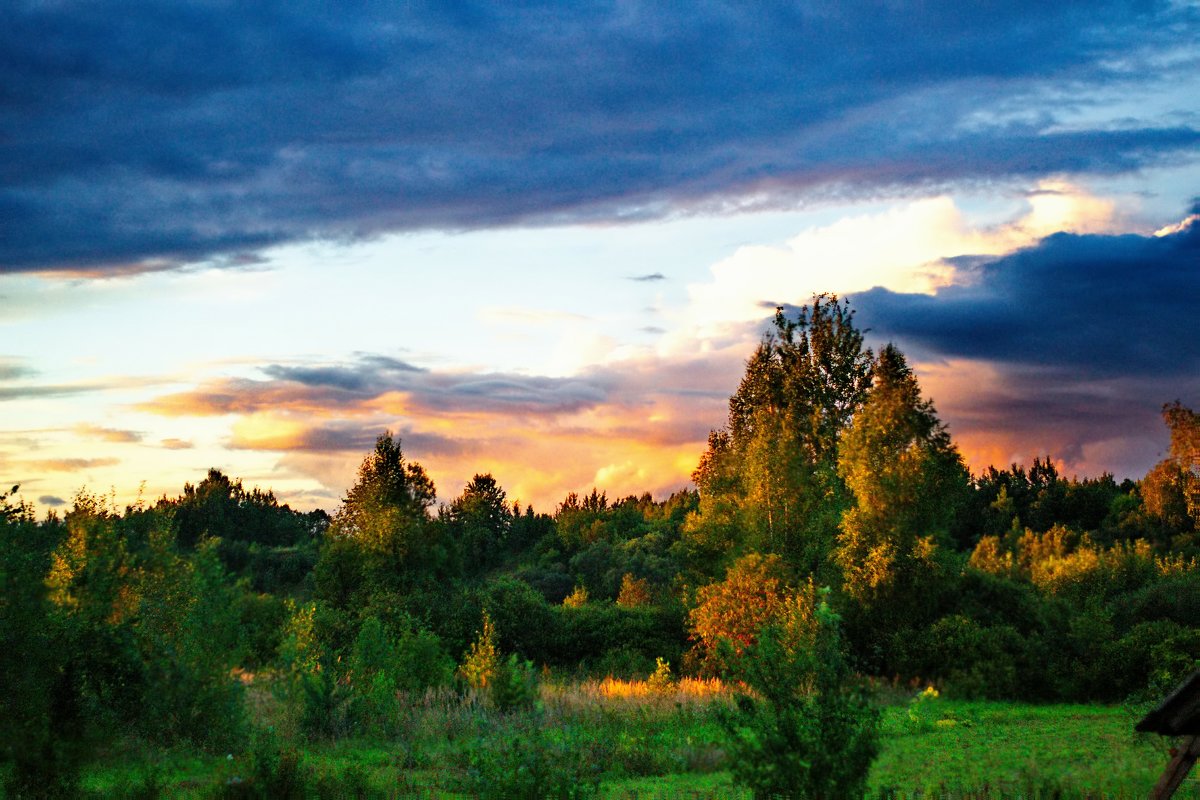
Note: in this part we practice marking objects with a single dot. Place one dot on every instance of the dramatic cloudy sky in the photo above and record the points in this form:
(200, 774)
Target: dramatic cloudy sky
(541, 240)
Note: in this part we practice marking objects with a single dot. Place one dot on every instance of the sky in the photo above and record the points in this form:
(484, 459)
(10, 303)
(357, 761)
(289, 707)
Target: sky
(540, 240)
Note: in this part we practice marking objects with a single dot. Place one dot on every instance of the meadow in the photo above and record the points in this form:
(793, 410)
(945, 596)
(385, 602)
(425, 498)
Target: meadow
(634, 740)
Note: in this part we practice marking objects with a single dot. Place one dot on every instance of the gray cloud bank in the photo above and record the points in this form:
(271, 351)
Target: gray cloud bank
(143, 135)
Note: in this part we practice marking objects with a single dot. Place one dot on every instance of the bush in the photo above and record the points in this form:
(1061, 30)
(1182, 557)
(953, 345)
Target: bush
(661, 679)
(266, 771)
(481, 662)
(973, 660)
(261, 620)
(508, 684)
(808, 730)
(536, 762)
(514, 686)
(524, 621)
(599, 632)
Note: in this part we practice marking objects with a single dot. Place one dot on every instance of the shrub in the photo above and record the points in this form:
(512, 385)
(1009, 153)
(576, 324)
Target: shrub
(382, 665)
(261, 620)
(479, 666)
(524, 621)
(578, 597)
(266, 771)
(920, 714)
(634, 593)
(536, 762)
(808, 730)
(734, 610)
(973, 660)
(661, 679)
(622, 639)
(514, 686)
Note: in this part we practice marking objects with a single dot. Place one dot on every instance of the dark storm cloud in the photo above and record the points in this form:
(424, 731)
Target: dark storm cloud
(1091, 307)
(1082, 339)
(369, 371)
(150, 134)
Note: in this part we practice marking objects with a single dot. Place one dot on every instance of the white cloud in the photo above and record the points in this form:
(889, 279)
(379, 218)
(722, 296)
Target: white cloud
(903, 248)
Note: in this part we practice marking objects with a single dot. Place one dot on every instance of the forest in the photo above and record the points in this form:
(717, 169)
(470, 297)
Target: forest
(834, 554)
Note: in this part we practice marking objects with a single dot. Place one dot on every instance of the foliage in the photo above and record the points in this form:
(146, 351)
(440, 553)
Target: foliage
(768, 481)
(267, 771)
(753, 594)
(220, 508)
(514, 686)
(316, 702)
(909, 484)
(383, 664)
(536, 762)
(808, 729)
(525, 622)
(578, 597)
(920, 715)
(385, 517)
(40, 729)
(478, 523)
(480, 664)
(635, 592)
(661, 679)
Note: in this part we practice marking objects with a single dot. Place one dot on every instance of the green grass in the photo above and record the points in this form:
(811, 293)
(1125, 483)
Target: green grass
(1010, 749)
(658, 748)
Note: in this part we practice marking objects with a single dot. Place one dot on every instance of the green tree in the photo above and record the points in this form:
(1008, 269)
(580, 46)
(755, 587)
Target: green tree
(42, 727)
(634, 593)
(908, 482)
(221, 508)
(769, 480)
(478, 523)
(907, 479)
(808, 730)
(1164, 493)
(387, 485)
(382, 538)
(1184, 425)
(481, 663)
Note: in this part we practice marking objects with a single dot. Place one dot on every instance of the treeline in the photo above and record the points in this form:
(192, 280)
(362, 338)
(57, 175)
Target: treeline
(832, 470)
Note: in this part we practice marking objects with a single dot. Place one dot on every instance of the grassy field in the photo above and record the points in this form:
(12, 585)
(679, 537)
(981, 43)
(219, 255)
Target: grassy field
(639, 743)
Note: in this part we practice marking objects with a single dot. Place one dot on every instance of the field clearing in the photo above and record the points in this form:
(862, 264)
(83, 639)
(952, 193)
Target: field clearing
(667, 744)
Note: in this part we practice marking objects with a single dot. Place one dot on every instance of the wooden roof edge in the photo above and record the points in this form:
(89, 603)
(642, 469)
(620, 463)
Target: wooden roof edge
(1162, 718)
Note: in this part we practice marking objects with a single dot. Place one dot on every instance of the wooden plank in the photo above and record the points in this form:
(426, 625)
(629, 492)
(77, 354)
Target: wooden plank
(1177, 769)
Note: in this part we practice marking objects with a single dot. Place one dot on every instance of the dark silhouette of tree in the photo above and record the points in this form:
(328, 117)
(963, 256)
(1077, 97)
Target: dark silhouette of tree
(478, 523)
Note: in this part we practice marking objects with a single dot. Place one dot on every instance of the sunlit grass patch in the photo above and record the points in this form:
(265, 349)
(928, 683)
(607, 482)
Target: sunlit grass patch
(692, 692)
